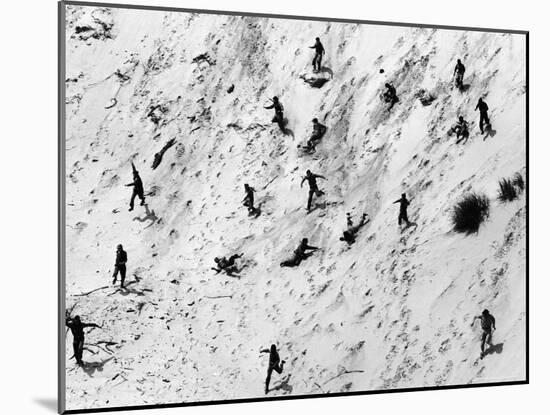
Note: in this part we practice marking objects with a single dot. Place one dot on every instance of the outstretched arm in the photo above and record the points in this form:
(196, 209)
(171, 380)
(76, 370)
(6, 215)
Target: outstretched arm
(265, 351)
(303, 180)
(320, 177)
(130, 184)
(313, 248)
(474, 320)
(90, 325)
(269, 107)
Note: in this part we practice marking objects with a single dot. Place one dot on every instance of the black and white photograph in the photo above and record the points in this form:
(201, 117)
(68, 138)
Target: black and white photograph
(271, 207)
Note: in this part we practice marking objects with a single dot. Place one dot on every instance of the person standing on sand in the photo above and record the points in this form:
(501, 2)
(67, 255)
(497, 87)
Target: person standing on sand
(137, 184)
(403, 204)
(319, 52)
(459, 74)
(279, 117)
(120, 265)
(313, 188)
(488, 326)
(483, 114)
(77, 329)
(273, 365)
(248, 200)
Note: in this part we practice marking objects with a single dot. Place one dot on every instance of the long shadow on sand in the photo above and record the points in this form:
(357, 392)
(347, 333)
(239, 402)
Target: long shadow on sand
(283, 385)
(497, 348)
(91, 367)
(150, 216)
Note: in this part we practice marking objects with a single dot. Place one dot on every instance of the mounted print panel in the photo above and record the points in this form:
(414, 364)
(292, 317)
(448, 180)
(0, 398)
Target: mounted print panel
(272, 207)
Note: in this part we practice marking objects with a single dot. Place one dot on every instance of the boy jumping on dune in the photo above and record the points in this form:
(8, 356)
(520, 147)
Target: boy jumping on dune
(273, 365)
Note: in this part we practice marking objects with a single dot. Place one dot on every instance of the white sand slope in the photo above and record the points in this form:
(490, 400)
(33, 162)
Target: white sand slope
(391, 311)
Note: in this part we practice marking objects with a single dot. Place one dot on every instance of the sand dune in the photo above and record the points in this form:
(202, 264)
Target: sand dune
(391, 311)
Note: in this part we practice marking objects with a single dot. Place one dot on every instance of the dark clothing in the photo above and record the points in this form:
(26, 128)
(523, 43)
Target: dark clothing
(279, 117)
(303, 247)
(78, 349)
(120, 266)
(459, 74)
(77, 330)
(224, 263)
(122, 270)
(403, 217)
(460, 68)
(319, 51)
(351, 232)
(277, 368)
(275, 364)
(319, 131)
(482, 107)
(137, 184)
(299, 255)
(461, 129)
(487, 325)
(277, 106)
(317, 62)
(403, 204)
(483, 114)
(134, 194)
(483, 120)
(391, 96)
(138, 190)
(312, 192)
(312, 181)
(313, 188)
(249, 198)
(486, 338)
(227, 265)
(487, 322)
(121, 257)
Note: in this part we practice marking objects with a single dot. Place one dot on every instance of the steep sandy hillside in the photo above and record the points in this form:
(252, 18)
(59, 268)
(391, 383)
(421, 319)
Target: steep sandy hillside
(391, 311)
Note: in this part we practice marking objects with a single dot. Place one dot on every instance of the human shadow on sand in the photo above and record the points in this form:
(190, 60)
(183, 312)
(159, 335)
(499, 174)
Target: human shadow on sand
(127, 289)
(91, 367)
(489, 132)
(150, 216)
(326, 69)
(497, 348)
(283, 385)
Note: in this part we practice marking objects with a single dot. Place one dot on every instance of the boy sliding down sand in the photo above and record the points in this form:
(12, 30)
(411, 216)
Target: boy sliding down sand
(299, 254)
(227, 265)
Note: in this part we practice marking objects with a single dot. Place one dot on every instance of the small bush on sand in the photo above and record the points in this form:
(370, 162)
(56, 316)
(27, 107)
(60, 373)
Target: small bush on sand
(507, 191)
(470, 212)
(518, 182)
